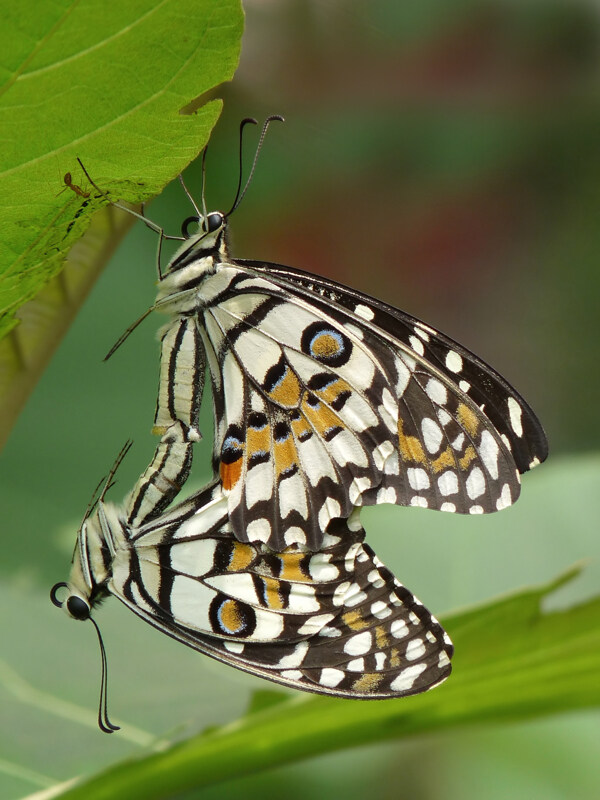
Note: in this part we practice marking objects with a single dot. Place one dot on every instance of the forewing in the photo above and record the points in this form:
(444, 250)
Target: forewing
(508, 411)
(319, 410)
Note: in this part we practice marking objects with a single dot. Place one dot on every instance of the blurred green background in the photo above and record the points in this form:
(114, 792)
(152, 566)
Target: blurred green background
(442, 156)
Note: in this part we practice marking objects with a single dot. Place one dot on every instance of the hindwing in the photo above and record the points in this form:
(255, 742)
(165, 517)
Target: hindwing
(334, 622)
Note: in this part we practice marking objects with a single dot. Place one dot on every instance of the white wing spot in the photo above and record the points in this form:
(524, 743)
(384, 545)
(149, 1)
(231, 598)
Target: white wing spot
(328, 511)
(407, 677)
(436, 391)
(505, 498)
(331, 677)
(399, 629)
(464, 386)
(418, 479)
(259, 530)
(387, 495)
(476, 510)
(419, 502)
(234, 647)
(488, 450)
(417, 345)
(432, 435)
(359, 645)
(295, 658)
(415, 649)
(380, 609)
(365, 312)
(475, 483)
(292, 674)
(443, 416)
(515, 411)
(356, 665)
(357, 487)
(454, 361)
(448, 483)
(458, 443)
(294, 535)
(449, 507)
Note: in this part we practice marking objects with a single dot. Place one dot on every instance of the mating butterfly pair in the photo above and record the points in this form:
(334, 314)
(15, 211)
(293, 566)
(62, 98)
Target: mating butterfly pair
(325, 400)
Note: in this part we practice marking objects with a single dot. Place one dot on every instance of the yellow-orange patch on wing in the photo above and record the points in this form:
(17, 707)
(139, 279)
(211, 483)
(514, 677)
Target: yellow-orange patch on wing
(381, 637)
(411, 448)
(321, 417)
(284, 454)
(325, 346)
(468, 419)
(230, 473)
(332, 391)
(272, 594)
(292, 566)
(230, 616)
(355, 620)
(395, 659)
(445, 459)
(368, 682)
(287, 391)
(258, 440)
(241, 557)
(469, 456)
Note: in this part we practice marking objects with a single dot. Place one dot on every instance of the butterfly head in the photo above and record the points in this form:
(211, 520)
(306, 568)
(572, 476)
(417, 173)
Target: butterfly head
(87, 579)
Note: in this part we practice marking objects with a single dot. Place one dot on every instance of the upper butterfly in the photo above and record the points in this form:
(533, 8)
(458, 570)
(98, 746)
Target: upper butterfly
(324, 399)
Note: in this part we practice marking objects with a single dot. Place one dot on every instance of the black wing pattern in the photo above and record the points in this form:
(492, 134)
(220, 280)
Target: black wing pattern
(334, 622)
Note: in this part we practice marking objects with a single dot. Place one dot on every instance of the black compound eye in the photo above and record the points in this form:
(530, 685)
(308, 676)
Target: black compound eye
(214, 221)
(185, 226)
(78, 608)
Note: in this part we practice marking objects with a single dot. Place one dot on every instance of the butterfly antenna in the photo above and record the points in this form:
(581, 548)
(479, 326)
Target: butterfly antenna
(104, 723)
(124, 336)
(152, 225)
(240, 193)
(109, 482)
(188, 193)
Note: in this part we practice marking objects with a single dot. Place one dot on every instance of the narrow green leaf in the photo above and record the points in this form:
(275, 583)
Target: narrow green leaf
(513, 661)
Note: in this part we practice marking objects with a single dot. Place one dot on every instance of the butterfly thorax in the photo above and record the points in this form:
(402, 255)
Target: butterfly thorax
(100, 536)
(196, 259)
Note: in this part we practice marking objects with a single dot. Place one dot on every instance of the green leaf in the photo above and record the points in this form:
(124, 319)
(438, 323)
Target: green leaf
(513, 661)
(112, 84)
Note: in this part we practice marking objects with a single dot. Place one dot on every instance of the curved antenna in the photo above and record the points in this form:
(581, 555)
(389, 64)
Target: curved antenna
(240, 194)
(243, 123)
(188, 193)
(104, 723)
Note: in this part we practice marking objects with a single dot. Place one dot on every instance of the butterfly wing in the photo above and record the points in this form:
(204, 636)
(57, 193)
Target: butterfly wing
(334, 622)
(502, 404)
(320, 409)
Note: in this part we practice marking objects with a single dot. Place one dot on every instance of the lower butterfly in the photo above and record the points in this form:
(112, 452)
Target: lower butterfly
(334, 622)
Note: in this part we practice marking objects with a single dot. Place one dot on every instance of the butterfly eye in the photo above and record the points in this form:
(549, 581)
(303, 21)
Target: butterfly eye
(185, 226)
(214, 221)
(78, 608)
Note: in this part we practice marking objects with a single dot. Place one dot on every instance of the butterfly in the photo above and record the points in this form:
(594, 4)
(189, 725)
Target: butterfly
(324, 399)
(334, 622)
